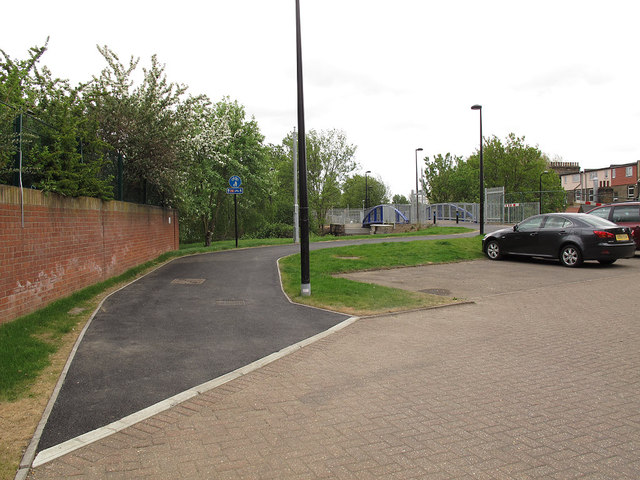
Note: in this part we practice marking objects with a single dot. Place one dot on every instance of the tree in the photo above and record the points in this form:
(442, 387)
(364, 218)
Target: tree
(329, 161)
(220, 142)
(43, 118)
(448, 179)
(399, 200)
(512, 164)
(144, 124)
(354, 192)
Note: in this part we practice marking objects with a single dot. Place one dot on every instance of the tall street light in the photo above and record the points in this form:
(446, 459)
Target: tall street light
(417, 206)
(305, 280)
(540, 189)
(366, 189)
(479, 107)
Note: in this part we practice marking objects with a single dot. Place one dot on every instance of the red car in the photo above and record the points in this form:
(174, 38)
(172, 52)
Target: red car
(624, 214)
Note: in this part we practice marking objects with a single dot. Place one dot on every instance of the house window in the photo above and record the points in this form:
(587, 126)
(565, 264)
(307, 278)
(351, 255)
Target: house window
(631, 191)
(593, 175)
(591, 194)
(576, 178)
(613, 173)
(578, 195)
(628, 171)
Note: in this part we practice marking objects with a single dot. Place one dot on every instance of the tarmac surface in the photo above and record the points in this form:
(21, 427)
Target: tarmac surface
(538, 378)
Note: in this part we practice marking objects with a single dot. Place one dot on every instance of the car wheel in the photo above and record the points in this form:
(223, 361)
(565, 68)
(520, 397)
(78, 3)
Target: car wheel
(570, 256)
(493, 250)
(607, 261)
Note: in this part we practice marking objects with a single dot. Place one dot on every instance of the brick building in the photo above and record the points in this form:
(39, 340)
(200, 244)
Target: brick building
(615, 183)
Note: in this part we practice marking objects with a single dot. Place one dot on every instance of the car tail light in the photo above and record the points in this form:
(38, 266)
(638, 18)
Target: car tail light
(603, 234)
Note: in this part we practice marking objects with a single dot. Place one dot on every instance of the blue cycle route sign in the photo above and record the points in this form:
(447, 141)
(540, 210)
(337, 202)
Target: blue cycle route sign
(234, 183)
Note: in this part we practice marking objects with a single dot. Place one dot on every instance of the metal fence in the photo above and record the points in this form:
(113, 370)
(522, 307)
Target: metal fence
(464, 212)
(496, 211)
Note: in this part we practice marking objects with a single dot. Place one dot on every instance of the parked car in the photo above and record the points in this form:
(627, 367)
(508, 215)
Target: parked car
(625, 214)
(569, 237)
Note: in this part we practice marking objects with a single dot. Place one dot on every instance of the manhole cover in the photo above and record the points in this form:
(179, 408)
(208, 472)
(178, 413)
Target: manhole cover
(231, 303)
(187, 281)
(437, 291)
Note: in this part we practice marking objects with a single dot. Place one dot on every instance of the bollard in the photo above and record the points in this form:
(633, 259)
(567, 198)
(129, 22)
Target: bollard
(434, 218)
(457, 216)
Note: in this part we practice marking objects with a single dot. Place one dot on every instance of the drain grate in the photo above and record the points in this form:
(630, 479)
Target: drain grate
(187, 281)
(231, 303)
(437, 291)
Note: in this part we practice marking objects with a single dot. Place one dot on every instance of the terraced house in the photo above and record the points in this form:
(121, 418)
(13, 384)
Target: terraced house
(615, 183)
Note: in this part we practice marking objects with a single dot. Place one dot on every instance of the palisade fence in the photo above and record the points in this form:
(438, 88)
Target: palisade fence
(500, 208)
(466, 212)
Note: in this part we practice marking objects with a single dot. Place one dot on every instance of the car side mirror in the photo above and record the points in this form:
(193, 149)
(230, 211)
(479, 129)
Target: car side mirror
(515, 228)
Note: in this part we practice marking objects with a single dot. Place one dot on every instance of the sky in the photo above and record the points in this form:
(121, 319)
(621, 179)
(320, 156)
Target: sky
(393, 75)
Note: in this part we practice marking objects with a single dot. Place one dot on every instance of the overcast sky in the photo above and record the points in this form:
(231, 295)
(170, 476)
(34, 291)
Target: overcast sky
(394, 75)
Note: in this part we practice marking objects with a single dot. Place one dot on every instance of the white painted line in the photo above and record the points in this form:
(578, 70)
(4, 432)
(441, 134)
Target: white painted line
(83, 440)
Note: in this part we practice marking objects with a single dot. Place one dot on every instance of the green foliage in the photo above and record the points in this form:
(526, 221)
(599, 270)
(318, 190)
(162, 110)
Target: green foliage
(329, 161)
(399, 200)
(511, 163)
(353, 192)
(272, 230)
(44, 118)
(449, 178)
(143, 123)
(221, 143)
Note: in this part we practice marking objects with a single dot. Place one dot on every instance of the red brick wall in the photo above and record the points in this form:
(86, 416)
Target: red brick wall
(69, 243)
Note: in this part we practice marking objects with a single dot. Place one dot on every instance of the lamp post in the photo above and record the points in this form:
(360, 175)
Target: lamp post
(479, 108)
(540, 190)
(305, 277)
(417, 206)
(366, 189)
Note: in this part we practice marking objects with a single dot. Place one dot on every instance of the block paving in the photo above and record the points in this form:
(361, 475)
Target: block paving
(539, 383)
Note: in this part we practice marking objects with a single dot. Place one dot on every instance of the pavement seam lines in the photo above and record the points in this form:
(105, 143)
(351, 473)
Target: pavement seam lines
(83, 440)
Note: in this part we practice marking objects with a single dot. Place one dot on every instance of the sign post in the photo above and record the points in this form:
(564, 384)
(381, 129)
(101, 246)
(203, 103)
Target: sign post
(235, 189)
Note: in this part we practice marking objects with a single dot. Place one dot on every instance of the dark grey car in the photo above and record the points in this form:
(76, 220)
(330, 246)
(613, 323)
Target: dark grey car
(569, 237)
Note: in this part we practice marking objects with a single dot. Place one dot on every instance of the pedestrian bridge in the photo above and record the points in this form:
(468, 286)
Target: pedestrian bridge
(383, 214)
(463, 212)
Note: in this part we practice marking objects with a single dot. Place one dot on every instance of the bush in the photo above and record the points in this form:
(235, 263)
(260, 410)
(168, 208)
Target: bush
(272, 230)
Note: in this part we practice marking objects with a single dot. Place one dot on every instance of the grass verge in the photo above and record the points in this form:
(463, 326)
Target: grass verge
(340, 294)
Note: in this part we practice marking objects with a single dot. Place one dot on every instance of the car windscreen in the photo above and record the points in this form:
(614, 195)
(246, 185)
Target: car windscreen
(595, 221)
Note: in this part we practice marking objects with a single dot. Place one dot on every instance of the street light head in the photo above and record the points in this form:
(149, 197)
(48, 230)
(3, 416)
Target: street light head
(419, 149)
(368, 171)
(476, 107)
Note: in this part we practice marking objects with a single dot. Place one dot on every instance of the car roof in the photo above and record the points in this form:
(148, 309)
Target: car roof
(633, 204)
(566, 214)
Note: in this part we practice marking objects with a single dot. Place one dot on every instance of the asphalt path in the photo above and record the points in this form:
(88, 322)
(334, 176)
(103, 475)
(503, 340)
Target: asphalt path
(188, 322)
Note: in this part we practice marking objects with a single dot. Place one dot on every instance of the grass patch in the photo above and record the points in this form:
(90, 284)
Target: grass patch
(261, 242)
(340, 294)
(431, 230)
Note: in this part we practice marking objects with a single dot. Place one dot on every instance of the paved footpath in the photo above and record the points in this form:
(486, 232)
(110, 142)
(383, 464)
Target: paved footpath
(541, 380)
